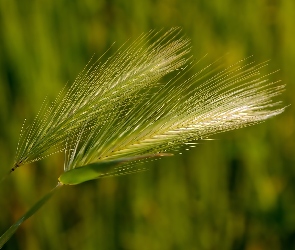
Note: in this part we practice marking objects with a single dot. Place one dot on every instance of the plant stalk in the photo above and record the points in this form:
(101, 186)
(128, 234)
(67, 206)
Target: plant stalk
(9, 232)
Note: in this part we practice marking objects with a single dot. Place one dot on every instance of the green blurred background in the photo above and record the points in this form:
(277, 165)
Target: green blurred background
(236, 192)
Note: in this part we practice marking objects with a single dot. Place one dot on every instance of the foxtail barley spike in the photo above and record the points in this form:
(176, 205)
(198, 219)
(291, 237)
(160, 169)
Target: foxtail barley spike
(122, 108)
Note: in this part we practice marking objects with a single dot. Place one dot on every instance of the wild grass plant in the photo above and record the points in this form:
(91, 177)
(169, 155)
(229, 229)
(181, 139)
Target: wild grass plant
(121, 112)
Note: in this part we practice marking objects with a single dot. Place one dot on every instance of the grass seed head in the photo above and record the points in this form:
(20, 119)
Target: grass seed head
(122, 107)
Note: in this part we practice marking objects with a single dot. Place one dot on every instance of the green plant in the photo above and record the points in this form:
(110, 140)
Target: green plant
(119, 112)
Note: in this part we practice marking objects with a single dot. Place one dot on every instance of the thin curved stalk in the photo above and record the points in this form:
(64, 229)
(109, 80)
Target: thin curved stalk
(9, 232)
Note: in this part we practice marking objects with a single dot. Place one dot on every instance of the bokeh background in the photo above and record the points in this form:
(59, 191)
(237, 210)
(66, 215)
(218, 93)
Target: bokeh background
(236, 192)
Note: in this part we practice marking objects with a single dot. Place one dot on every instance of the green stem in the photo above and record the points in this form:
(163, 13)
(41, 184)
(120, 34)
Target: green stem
(7, 235)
